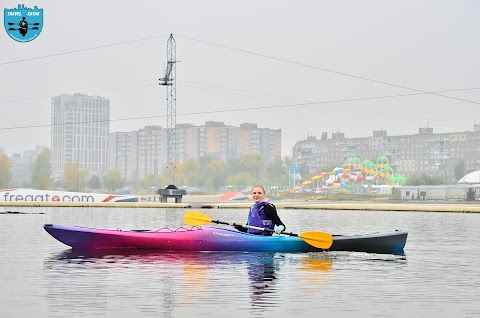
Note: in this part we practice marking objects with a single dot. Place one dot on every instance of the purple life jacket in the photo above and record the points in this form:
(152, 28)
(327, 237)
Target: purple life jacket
(258, 218)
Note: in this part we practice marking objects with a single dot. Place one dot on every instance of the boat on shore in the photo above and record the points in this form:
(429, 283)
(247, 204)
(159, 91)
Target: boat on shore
(200, 238)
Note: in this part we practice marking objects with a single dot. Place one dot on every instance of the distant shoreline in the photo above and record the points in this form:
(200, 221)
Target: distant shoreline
(210, 202)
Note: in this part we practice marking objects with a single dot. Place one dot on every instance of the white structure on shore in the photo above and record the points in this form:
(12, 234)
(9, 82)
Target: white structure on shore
(471, 178)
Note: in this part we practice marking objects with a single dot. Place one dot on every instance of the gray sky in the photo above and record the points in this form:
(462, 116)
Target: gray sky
(305, 67)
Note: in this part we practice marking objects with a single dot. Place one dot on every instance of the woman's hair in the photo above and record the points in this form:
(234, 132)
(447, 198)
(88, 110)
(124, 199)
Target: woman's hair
(258, 186)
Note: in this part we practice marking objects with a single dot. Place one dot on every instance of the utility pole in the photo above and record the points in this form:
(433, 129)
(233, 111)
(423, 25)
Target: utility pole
(169, 80)
(155, 173)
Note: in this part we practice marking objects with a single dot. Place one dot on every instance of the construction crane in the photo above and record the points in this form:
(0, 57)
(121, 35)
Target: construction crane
(169, 80)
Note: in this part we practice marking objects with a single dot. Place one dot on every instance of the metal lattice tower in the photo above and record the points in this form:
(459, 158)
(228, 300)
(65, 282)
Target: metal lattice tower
(169, 80)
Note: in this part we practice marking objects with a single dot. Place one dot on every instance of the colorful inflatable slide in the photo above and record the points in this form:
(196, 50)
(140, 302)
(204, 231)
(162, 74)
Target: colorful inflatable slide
(342, 176)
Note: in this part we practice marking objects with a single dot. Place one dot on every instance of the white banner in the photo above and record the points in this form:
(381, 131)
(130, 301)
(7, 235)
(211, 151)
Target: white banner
(23, 195)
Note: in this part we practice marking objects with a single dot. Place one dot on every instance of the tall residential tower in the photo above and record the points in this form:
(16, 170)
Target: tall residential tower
(80, 128)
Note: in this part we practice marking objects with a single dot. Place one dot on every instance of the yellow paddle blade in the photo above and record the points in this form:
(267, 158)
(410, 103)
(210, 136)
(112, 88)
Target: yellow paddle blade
(196, 218)
(317, 239)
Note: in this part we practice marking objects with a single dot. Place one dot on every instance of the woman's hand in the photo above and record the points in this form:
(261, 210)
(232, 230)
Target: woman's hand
(279, 229)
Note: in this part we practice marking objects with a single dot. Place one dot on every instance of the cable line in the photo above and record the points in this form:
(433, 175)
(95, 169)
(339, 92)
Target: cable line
(251, 53)
(82, 50)
(254, 108)
(325, 70)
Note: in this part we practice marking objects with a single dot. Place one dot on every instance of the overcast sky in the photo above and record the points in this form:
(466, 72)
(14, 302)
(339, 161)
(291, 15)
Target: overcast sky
(305, 67)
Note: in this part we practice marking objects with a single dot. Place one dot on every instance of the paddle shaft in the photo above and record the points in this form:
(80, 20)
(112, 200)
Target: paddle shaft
(251, 227)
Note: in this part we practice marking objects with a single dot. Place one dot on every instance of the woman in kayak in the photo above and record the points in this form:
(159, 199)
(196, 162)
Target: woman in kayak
(262, 214)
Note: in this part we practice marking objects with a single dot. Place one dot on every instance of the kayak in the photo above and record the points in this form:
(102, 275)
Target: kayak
(198, 238)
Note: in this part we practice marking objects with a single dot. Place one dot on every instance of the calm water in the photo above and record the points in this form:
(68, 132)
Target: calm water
(439, 275)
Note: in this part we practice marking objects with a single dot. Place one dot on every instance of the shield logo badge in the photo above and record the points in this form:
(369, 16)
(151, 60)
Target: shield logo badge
(23, 24)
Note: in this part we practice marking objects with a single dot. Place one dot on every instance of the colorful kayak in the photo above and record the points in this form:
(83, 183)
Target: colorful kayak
(199, 238)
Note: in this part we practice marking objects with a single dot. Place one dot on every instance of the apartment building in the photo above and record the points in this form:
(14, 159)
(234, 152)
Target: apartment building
(142, 152)
(435, 154)
(222, 142)
(79, 133)
(263, 141)
(138, 153)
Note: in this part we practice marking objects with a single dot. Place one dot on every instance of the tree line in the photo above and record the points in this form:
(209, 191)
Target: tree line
(207, 173)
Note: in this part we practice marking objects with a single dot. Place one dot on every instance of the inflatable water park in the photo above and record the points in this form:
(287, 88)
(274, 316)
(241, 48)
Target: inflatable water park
(353, 175)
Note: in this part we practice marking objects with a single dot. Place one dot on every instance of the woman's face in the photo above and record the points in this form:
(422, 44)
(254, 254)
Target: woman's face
(258, 194)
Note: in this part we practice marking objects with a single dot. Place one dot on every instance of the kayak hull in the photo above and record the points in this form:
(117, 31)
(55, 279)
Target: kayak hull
(218, 239)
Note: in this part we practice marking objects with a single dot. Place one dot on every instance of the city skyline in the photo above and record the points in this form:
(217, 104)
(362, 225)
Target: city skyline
(329, 136)
(305, 68)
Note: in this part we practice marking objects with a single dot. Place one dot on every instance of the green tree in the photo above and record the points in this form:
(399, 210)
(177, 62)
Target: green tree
(202, 180)
(94, 182)
(241, 180)
(424, 179)
(75, 178)
(42, 171)
(276, 174)
(252, 163)
(459, 169)
(174, 170)
(233, 166)
(191, 171)
(147, 182)
(215, 172)
(179, 175)
(5, 172)
(113, 180)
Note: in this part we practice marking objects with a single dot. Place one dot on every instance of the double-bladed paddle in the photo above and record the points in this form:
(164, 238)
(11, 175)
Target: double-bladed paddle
(318, 239)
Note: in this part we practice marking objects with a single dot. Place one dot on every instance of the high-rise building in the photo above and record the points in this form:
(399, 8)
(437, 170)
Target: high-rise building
(80, 128)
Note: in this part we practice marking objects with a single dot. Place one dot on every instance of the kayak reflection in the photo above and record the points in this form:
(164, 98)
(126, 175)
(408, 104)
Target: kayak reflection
(265, 272)
(184, 279)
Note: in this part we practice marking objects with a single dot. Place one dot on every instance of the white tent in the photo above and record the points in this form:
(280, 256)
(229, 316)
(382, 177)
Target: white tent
(471, 178)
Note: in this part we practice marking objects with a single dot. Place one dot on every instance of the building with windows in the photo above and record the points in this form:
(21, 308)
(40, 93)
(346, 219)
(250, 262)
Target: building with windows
(187, 142)
(218, 141)
(222, 142)
(79, 133)
(120, 154)
(138, 153)
(435, 154)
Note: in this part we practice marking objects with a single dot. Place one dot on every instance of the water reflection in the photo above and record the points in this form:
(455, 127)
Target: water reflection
(261, 272)
(440, 275)
(174, 283)
(262, 275)
(317, 262)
